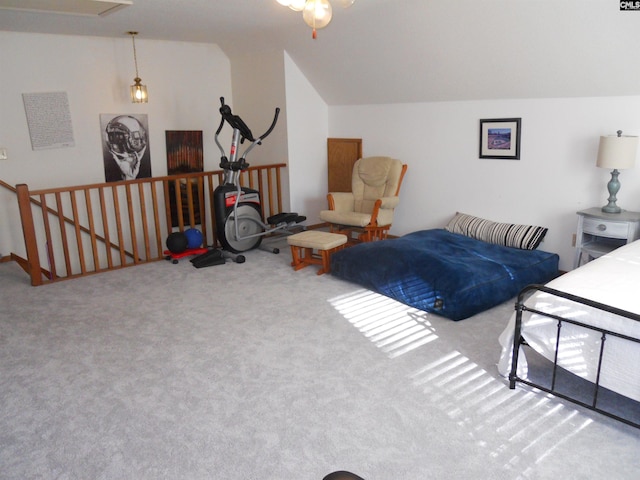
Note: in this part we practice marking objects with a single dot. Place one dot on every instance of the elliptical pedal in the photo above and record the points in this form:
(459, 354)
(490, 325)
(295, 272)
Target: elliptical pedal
(283, 217)
(208, 259)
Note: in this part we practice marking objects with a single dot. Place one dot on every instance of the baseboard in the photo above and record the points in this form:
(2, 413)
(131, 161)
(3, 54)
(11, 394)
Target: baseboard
(316, 226)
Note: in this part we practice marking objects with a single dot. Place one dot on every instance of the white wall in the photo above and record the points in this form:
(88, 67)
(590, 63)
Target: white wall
(259, 87)
(266, 80)
(307, 132)
(555, 177)
(184, 80)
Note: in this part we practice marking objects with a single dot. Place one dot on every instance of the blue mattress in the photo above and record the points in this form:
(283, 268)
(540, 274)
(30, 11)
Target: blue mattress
(444, 273)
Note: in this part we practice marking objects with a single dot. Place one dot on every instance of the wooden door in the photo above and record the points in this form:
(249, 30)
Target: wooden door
(342, 153)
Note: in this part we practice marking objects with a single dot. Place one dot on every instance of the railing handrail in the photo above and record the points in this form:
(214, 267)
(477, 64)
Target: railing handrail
(143, 180)
(7, 186)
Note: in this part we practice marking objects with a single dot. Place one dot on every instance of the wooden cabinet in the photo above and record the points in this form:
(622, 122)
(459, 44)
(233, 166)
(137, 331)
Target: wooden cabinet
(342, 153)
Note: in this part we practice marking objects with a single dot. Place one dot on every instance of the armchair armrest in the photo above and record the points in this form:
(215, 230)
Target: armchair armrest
(341, 201)
(389, 202)
(382, 213)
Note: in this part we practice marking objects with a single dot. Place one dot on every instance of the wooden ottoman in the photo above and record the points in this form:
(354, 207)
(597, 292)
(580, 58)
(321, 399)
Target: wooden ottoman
(304, 243)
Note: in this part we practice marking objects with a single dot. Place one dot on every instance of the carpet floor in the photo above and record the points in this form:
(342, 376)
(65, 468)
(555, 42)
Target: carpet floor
(254, 371)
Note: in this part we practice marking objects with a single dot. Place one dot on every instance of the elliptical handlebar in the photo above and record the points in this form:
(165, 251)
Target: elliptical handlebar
(244, 132)
(237, 123)
(273, 125)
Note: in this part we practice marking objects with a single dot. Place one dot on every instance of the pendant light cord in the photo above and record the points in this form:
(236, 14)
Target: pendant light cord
(135, 56)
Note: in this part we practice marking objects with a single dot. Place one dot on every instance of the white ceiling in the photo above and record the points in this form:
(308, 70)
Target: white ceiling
(390, 51)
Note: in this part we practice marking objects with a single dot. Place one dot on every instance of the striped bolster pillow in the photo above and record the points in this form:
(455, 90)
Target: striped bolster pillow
(525, 237)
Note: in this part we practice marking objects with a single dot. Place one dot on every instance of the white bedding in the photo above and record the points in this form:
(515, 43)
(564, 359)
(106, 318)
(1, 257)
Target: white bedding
(614, 280)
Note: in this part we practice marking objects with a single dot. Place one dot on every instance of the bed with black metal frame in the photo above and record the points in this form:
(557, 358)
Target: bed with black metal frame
(578, 337)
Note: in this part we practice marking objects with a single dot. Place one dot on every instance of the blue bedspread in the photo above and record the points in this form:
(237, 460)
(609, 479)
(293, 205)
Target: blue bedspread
(445, 273)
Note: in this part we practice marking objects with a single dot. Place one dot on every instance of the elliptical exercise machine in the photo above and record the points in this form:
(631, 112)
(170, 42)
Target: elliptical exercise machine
(237, 209)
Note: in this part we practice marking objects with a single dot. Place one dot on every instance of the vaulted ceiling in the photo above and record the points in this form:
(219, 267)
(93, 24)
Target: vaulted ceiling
(390, 51)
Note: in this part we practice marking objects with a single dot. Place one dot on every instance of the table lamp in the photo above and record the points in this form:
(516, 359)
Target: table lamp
(616, 152)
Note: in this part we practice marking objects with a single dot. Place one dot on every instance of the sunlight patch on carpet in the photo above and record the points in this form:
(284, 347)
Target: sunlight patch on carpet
(393, 327)
(512, 423)
(520, 428)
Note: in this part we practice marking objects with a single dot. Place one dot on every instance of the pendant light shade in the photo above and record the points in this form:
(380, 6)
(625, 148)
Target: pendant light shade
(297, 5)
(316, 13)
(138, 91)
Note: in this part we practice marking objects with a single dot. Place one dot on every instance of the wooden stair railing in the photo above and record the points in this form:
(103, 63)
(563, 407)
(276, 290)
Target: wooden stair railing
(52, 211)
(75, 231)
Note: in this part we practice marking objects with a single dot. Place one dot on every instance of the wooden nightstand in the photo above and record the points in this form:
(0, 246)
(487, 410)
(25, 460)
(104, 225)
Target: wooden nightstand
(600, 233)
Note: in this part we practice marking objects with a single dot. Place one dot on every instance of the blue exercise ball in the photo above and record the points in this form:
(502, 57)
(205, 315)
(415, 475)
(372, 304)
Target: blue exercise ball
(177, 242)
(194, 237)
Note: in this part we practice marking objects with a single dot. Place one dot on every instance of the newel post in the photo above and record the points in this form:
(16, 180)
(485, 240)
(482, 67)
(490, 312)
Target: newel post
(29, 232)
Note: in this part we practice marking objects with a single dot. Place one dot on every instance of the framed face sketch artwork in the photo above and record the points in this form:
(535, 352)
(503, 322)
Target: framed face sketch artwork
(125, 146)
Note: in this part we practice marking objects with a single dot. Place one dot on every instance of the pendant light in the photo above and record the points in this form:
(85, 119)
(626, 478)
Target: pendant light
(315, 13)
(137, 90)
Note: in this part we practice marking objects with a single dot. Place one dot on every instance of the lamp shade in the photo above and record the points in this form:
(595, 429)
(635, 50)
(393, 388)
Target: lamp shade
(317, 13)
(617, 152)
(138, 92)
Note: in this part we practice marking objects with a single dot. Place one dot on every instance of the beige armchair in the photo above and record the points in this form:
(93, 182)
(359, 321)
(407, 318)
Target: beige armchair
(366, 211)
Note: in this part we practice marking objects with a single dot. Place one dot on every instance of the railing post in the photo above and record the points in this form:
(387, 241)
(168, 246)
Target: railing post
(29, 232)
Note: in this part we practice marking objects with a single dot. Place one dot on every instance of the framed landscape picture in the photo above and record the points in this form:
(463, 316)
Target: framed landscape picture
(500, 138)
